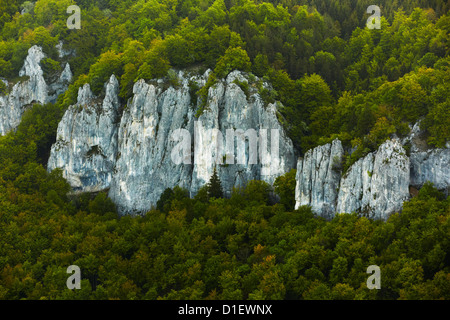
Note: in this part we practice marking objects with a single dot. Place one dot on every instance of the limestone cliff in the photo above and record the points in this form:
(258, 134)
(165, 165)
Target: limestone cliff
(33, 90)
(377, 184)
(134, 155)
(428, 164)
(160, 140)
(86, 143)
(318, 176)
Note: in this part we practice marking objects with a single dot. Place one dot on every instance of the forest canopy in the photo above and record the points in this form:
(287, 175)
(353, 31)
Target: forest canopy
(334, 77)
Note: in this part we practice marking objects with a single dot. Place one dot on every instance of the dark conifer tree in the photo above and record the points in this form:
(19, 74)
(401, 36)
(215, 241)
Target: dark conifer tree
(214, 186)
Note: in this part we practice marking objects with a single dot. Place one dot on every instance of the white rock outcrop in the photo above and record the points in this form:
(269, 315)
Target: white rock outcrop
(318, 176)
(140, 161)
(33, 90)
(428, 164)
(86, 145)
(131, 152)
(375, 185)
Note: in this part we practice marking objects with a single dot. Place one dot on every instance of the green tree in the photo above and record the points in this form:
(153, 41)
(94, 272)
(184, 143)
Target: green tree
(48, 11)
(315, 93)
(261, 65)
(233, 59)
(215, 186)
(102, 205)
(285, 188)
(165, 200)
(109, 63)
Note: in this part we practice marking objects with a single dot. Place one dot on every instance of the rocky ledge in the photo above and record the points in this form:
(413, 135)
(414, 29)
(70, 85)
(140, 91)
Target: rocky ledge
(376, 185)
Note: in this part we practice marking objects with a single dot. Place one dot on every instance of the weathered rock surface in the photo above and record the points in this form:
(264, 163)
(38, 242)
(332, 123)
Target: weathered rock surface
(145, 163)
(229, 109)
(354, 189)
(144, 168)
(431, 165)
(389, 183)
(376, 185)
(33, 90)
(60, 85)
(318, 176)
(158, 142)
(428, 164)
(86, 143)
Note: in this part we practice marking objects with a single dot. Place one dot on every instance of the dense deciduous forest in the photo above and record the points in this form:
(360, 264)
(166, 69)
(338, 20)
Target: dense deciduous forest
(245, 247)
(334, 78)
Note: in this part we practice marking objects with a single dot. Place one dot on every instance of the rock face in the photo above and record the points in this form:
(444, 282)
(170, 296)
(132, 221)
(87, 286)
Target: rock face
(268, 155)
(354, 189)
(159, 142)
(86, 143)
(431, 165)
(144, 168)
(318, 176)
(376, 185)
(33, 90)
(60, 85)
(428, 164)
